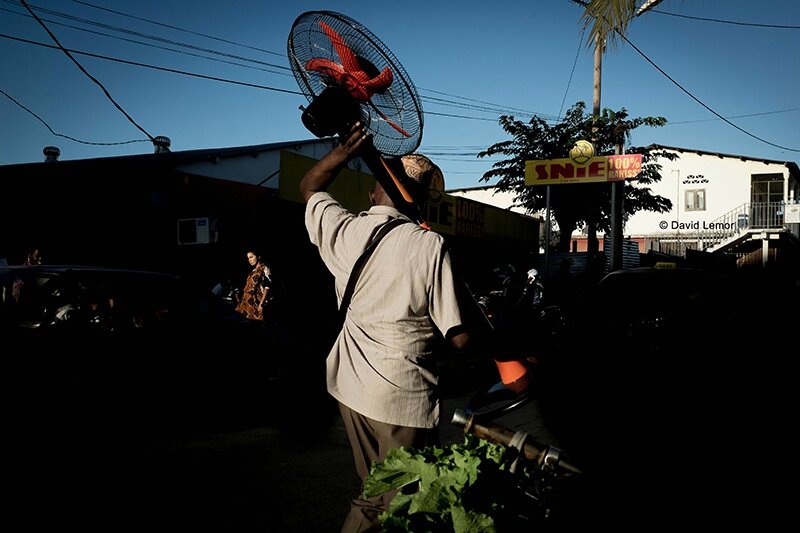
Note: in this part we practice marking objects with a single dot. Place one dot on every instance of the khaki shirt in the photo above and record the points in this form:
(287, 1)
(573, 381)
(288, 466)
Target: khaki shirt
(382, 363)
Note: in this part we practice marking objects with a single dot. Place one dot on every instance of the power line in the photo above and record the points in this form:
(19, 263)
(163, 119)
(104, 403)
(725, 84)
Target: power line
(213, 78)
(693, 97)
(450, 115)
(720, 21)
(737, 116)
(133, 63)
(572, 72)
(134, 41)
(179, 29)
(46, 125)
(496, 109)
(204, 76)
(287, 91)
(478, 101)
(499, 109)
(154, 67)
(153, 37)
(450, 103)
(95, 80)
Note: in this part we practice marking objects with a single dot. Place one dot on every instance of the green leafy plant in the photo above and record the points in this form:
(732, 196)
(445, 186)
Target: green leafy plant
(465, 487)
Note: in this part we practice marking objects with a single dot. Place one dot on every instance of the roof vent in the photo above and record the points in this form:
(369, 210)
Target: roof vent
(51, 153)
(161, 144)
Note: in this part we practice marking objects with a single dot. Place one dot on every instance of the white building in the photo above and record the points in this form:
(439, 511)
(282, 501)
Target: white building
(719, 199)
(730, 203)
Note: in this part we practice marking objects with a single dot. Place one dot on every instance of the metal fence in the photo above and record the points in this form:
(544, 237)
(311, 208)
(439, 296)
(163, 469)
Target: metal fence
(750, 215)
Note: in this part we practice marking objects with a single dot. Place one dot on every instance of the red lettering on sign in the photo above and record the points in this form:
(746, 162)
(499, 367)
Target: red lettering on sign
(541, 172)
(562, 171)
(597, 169)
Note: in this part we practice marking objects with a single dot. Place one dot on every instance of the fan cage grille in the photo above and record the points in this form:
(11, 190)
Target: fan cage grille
(399, 104)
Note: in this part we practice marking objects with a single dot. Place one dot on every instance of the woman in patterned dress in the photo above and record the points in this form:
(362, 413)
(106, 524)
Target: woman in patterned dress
(254, 289)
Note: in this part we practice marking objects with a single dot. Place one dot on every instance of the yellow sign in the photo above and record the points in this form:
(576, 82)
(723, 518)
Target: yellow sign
(598, 169)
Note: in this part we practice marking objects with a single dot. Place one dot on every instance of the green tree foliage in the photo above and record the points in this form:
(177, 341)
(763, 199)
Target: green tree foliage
(575, 205)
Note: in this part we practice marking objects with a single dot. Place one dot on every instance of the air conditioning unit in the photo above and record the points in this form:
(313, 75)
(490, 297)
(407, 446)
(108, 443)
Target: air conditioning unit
(197, 230)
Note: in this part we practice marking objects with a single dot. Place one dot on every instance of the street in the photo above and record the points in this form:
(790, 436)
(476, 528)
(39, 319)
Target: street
(687, 438)
(282, 477)
(279, 479)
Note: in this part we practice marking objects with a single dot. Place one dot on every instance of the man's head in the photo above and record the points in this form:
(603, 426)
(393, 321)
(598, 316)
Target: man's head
(418, 174)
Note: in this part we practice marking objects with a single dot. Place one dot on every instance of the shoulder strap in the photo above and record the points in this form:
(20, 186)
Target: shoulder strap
(362, 260)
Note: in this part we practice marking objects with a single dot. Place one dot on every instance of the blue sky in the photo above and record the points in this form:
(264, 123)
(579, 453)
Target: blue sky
(471, 61)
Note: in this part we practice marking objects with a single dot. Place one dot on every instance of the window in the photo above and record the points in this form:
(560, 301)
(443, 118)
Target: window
(766, 207)
(696, 200)
(767, 188)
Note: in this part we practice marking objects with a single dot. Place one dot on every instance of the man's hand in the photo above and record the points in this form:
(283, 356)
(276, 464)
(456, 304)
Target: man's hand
(324, 171)
(354, 140)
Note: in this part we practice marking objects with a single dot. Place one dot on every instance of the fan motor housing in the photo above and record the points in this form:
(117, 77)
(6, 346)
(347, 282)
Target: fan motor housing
(332, 112)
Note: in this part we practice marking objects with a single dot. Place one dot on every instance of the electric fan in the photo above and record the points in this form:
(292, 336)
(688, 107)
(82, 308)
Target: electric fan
(347, 74)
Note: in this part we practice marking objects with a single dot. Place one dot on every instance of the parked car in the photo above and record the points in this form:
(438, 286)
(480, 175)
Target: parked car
(131, 347)
(669, 376)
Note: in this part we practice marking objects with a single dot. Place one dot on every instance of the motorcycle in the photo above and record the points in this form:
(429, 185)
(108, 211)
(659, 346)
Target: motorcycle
(544, 485)
(527, 328)
(530, 330)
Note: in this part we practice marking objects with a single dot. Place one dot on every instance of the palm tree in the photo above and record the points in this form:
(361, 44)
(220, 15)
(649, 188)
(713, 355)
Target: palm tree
(608, 20)
(611, 17)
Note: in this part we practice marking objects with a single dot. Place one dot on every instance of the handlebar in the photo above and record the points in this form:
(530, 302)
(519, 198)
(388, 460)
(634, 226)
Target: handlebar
(544, 456)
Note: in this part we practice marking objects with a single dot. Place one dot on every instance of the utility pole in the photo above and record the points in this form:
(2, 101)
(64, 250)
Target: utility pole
(599, 47)
(617, 187)
(617, 222)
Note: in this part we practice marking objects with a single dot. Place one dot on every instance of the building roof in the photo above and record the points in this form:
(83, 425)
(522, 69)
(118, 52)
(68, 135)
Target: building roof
(790, 164)
(168, 158)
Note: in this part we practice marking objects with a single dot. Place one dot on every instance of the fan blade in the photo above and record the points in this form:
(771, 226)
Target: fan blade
(380, 82)
(336, 72)
(359, 90)
(362, 87)
(347, 56)
(389, 121)
(326, 66)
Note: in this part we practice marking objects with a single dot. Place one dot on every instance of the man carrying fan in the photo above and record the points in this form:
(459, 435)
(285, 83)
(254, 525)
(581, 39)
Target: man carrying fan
(405, 303)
